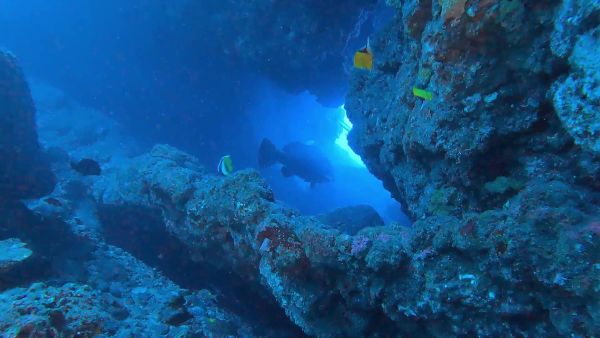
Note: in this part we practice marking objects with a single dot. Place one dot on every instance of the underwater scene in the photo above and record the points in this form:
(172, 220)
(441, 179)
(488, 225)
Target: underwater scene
(299, 168)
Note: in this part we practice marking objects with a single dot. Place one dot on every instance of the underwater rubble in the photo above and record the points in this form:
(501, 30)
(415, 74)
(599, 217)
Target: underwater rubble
(124, 298)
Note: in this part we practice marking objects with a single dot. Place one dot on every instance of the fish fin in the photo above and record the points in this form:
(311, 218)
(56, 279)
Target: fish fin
(267, 154)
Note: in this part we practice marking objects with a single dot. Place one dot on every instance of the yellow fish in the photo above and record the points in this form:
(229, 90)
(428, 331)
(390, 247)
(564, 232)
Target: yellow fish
(225, 166)
(363, 59)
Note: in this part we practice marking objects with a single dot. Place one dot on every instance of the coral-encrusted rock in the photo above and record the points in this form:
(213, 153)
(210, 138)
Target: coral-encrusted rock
(23, 171)
(12, 252)
(532, 262)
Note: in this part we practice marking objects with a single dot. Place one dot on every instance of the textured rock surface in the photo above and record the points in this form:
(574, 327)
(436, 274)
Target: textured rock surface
(532, 262)
(146, 303)
(23, 171)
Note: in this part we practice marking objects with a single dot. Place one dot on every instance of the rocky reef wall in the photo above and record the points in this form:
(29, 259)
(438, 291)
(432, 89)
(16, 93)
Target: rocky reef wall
(515, 98)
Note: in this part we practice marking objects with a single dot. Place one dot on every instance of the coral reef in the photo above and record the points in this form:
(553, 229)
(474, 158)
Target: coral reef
(577, 97)
(24, 173)
(499, 170)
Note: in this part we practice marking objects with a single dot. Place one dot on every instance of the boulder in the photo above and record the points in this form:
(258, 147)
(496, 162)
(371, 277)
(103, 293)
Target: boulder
(24, 172)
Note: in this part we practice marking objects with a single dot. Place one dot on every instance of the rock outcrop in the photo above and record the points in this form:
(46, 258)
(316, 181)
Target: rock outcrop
(24, 173)
(532, 262)
(12, 252)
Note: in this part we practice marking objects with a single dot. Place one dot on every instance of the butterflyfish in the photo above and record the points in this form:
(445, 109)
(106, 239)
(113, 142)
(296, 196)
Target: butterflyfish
(363, 58)
(225, 166)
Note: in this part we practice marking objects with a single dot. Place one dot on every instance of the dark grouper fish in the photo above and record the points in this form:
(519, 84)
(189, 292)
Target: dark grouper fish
(298, 159)
(86, 167)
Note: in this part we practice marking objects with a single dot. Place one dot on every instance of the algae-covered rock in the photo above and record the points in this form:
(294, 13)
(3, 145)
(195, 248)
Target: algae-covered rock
(12, 252)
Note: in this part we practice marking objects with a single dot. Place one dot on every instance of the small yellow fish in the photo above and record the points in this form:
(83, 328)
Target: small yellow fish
(225, 166)
(363, 59)
(422, 93)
